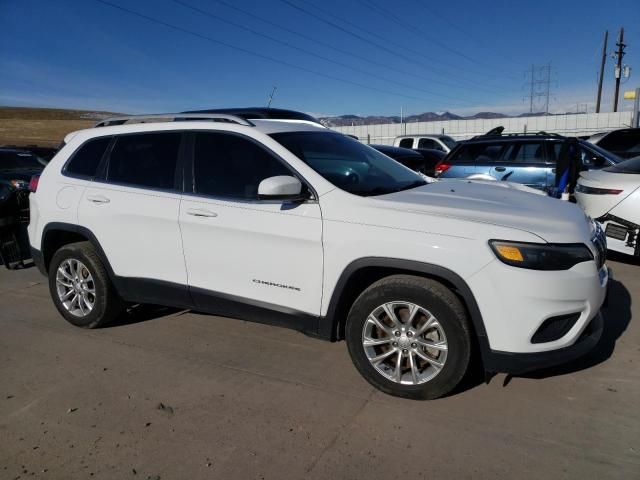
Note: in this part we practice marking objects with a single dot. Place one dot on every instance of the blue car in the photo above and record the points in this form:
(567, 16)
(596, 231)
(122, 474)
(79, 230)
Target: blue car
(527, 159)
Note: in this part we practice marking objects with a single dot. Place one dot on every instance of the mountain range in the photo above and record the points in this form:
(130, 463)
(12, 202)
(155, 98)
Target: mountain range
(348, 120)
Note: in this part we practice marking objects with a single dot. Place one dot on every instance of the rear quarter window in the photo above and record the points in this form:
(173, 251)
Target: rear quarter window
(84, 162)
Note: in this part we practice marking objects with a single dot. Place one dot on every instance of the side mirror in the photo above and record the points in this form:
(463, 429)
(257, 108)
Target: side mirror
(281, 187)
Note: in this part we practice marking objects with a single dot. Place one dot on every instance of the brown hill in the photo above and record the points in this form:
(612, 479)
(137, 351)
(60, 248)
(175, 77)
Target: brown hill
(44, 127)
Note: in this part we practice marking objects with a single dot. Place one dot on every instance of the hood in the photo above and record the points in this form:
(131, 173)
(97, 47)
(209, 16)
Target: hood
(552, 220)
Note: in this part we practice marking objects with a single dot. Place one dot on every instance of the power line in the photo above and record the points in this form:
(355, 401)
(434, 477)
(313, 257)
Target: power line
(449, 83)
(395, 54)
(460, 29)
(413, 61)
(388, 14)
(307, 52)
(256, 54)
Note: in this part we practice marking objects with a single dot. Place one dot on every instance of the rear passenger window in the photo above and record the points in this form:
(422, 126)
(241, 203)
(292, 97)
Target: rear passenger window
(231, 166)
(145, 160)
(84, 162)
(482, 153)
(522, 152)
(406, 143)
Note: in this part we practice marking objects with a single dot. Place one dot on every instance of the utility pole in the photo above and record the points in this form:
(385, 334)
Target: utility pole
(273, 92)
(618, 72)
(602, 64)
(531, 94)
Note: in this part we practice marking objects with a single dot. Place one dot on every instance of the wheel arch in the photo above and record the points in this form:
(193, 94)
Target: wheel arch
(56, 235)
(361, 273)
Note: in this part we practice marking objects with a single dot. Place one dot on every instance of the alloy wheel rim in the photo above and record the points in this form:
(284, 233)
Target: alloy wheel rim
(405, 343)
(75, 287)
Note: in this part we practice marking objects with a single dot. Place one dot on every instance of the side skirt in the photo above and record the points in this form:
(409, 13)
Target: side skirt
(142, 290)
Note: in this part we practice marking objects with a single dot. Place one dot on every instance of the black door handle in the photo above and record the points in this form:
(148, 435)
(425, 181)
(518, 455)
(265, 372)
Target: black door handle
(500, 169)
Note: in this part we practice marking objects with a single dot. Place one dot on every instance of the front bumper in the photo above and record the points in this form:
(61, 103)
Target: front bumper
(518, 363)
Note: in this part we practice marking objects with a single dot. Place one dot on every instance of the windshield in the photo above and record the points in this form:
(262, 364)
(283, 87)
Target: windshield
(628, 166)
(20, 161)
(448, 141)
(348, 164)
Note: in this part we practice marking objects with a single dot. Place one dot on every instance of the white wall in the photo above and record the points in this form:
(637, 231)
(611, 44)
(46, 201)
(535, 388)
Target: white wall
(570, 125)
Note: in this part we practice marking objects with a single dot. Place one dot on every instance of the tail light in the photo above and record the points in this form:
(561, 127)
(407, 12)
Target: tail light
(442, 167)
(33, 184)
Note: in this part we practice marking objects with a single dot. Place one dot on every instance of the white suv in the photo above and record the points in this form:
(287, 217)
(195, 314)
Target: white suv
(287, 222)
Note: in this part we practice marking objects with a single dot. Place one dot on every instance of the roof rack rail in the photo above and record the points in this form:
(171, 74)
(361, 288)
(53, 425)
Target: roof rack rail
(174, 117)
(498, 132)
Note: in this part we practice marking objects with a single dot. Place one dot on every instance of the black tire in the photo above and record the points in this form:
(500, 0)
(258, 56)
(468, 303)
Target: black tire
(107, 305)
(440, 302)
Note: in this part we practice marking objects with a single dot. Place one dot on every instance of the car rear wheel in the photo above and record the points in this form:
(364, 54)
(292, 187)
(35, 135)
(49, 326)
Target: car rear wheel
(80, 287)
(409, 337)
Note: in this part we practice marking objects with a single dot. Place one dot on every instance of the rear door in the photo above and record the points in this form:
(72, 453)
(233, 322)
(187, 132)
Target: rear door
(132, 208)
(522, 162)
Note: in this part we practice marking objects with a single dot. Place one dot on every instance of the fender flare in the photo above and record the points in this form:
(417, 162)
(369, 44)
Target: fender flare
(330, 324)
(85, 232)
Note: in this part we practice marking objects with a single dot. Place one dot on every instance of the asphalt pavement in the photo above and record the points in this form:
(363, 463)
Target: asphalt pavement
(167, 394)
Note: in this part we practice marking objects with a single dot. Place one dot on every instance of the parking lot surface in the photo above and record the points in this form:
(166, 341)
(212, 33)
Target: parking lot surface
(175, 395)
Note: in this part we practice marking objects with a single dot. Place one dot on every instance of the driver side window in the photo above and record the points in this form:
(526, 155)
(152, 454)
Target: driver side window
(231, 166)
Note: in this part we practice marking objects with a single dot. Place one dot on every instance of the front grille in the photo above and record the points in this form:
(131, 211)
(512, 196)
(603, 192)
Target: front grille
(599, 241)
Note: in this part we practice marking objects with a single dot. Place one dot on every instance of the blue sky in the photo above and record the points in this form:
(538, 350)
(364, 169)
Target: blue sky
(348, 56)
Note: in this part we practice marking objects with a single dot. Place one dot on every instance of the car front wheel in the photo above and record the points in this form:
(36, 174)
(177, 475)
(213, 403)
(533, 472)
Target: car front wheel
(409, 337)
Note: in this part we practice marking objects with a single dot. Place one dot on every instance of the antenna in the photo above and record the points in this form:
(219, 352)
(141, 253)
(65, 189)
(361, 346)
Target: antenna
(273, 92)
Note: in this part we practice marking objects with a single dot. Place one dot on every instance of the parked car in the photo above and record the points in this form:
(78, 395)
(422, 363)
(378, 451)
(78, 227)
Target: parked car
(17, 166)
(292, 224)
(409, 158)
(432, 158)
(529, 159)
(612, 196)
(625, 142)
(443, 143)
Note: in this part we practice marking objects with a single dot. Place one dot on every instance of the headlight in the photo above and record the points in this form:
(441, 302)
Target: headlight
(541, 256)
(597, 191)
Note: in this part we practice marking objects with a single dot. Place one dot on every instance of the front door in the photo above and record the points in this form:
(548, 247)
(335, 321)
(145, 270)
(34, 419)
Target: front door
(243, 252)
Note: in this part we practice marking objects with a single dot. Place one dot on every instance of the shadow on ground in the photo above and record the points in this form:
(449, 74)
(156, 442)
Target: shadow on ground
(143, 313)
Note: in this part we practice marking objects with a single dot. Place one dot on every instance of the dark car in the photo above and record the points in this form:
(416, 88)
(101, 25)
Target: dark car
(408, 157)
(625, 143)
(250, 113)
(17, 167)
(432, 158)
(529, 159)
